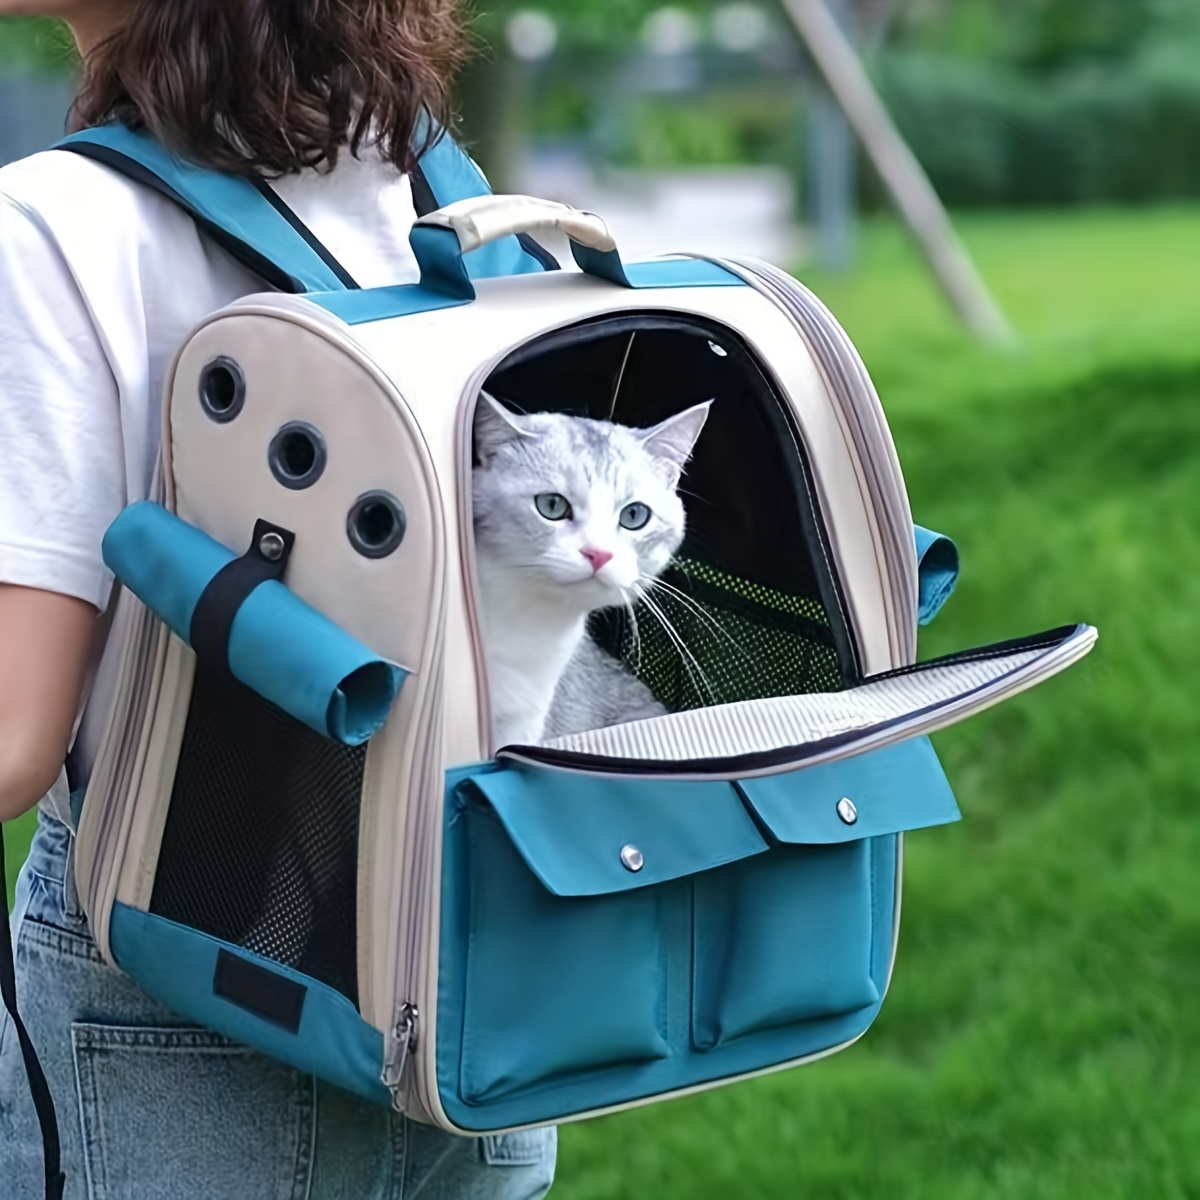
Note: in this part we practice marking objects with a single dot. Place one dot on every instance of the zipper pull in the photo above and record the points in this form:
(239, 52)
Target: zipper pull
(401, 1043)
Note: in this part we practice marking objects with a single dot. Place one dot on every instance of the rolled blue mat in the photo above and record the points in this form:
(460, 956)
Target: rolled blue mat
(279, 647)
(937, 572)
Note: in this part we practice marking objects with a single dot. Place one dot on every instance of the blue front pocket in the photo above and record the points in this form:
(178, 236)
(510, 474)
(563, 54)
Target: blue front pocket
(781, 938)
(569, 942)
(606, 938)
(554, 985)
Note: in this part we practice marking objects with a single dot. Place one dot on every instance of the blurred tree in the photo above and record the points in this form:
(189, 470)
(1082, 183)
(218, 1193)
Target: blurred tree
(1041, 35)
(34, 45)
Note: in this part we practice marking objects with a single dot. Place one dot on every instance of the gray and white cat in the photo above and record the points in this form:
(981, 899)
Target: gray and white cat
(571, 515)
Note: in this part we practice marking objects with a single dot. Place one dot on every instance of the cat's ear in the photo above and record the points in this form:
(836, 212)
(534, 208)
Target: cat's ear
(495, 426)
(672, 440)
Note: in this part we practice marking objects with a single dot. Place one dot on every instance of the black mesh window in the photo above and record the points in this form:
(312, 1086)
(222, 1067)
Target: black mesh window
(261, 842)
(728, 639)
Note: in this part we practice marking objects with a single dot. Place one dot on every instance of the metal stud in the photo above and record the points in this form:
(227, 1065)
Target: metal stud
(631, 858)
(847, 811)
(271, 547)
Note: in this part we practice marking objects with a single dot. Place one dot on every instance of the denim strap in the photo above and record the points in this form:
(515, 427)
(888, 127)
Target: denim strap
(38, 1087)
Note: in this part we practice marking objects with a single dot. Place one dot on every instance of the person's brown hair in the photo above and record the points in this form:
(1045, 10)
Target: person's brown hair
(272, 86)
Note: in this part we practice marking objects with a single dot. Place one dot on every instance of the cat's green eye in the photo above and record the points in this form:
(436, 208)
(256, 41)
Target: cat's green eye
(634, 516)
(552, 506)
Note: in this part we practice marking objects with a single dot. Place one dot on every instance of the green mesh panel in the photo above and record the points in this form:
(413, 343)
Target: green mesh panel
(744, 641)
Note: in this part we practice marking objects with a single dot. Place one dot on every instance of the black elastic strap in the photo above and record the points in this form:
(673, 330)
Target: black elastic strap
(539, 252)
(38, 1087)
(212, 618)
(425, 202)
(276, 202)
(243, 252)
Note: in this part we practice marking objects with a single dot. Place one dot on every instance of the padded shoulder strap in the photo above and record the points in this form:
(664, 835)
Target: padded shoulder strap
(241, 214)
(247, 218)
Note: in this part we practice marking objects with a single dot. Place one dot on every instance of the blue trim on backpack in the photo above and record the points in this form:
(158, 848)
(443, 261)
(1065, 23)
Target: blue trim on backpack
(279, 646)
(568, 983)
(177, 966)
(446, 287)
(937, 572)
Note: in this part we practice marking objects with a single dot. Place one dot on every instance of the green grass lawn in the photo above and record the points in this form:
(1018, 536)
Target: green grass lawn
(1040, 1036)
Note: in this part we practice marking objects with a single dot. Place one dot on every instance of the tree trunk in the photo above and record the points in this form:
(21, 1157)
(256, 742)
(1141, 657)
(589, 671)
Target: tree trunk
(903, 175)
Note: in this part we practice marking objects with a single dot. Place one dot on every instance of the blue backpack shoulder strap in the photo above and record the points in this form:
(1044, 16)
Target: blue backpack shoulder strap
(241, 214)
(246, 217)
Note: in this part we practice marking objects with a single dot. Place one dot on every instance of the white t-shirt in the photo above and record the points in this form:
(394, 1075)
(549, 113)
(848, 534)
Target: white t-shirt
(101, 280)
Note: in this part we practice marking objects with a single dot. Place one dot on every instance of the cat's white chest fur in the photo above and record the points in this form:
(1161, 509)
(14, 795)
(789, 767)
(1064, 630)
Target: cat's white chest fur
(528, 642)
(570, 515)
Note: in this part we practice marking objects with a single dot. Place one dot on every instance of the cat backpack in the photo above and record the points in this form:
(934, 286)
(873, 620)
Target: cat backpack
(298, 831)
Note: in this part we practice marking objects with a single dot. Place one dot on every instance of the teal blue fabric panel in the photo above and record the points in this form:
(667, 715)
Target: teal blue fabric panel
(279, 646)
(440, 257)
(381, 304)
(895, 789)
(661, 273)
(680, 273)
(176, 965)
(937, 572)
(571, 828)
(517, 1028)
(783, 939)
(445, 282)
(228, 201)
(551, 1005)
(452, 176)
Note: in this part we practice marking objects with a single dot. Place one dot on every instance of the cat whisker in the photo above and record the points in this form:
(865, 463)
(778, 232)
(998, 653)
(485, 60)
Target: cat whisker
(695, 671)
(697, 609)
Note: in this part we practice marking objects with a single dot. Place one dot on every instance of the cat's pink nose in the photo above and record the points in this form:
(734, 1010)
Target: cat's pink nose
(596, 557)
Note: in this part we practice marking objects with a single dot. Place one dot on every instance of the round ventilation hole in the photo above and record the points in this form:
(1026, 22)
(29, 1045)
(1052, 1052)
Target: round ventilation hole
(222, 389)
(376, 524)
(297, 455)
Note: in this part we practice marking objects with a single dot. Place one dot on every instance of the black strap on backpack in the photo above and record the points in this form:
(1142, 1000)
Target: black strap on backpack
(39, 1088)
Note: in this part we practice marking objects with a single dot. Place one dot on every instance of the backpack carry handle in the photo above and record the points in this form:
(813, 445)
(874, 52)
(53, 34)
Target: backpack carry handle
(478, 220)
(441, 239)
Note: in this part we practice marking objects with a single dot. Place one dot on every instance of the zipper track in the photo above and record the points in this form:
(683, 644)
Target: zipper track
(857, 403)
(105, 821)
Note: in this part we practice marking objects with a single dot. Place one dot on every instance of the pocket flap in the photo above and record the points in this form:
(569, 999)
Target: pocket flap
(589, 835)
(887, 791)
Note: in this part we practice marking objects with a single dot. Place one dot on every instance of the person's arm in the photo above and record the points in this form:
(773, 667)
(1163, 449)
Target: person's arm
(62, 481)
(45, 639)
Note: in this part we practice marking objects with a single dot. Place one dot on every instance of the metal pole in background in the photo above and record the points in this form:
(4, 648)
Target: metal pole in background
(905, 179)
(831, 171)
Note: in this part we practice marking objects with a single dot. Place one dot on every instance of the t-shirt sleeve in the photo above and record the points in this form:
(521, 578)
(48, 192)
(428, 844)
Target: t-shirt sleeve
(62, 478)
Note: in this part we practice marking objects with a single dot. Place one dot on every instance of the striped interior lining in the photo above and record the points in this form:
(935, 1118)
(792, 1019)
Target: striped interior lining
(762, 726)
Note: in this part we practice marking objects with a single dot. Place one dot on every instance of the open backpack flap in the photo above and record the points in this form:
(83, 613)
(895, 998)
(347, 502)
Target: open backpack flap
(298, 830)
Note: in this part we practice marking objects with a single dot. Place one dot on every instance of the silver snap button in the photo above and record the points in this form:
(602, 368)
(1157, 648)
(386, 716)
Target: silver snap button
(631, 858)
(270, 546)
(847, 811)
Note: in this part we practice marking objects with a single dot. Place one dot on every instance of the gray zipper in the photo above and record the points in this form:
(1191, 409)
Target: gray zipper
(400, 1044)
